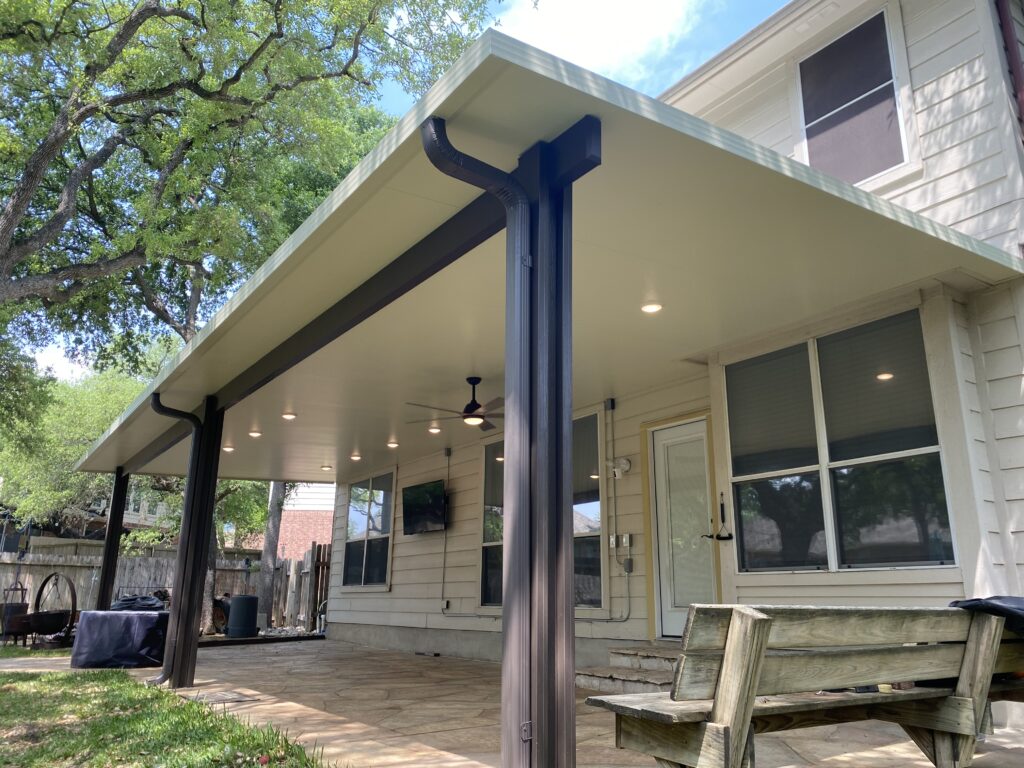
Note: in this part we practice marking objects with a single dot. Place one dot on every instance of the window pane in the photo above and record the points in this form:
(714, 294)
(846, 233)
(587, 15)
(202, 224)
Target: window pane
(376, 561)
(490, 576)
(771, 418)
(586, 476)
(859, 140)
(380, 506)
(893, 512)
(353, 563)
(865, 416)
(587, 558)
(494, 488)
(781, 524)
(853, 65)
(358, 506)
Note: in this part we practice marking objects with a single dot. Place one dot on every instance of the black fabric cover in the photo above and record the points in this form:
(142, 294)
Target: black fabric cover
(119, 639)
(1011, 608)
(138, 603)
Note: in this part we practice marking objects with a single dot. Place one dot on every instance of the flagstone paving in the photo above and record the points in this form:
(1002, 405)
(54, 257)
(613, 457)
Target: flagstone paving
(366, 708)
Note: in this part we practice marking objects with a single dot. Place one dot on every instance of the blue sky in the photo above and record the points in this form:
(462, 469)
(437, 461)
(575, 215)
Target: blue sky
(645, 44)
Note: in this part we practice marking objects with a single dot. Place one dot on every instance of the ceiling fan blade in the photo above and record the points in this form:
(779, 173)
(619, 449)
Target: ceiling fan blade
(487, 426)
(431, 421)
(495, 404)
(435, 408)
(493, 415)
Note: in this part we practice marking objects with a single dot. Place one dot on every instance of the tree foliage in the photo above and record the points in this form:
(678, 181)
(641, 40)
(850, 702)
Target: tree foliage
(152, 154)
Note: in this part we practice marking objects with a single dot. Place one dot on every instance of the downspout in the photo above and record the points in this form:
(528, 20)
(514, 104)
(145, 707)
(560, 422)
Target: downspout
(193, 460)
(516, 729)
(1013, 56)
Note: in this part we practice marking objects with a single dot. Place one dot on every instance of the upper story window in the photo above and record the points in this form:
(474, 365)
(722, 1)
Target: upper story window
(835, 455)
(370, 507)
(850, 105)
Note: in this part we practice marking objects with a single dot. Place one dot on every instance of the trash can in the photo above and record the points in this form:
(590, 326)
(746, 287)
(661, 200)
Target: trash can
(242, 616)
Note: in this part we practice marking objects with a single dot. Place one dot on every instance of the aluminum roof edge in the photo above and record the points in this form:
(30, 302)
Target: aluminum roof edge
(498, 48)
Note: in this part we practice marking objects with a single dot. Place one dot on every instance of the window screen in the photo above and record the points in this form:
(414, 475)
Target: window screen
(849, 100)
(771, 416)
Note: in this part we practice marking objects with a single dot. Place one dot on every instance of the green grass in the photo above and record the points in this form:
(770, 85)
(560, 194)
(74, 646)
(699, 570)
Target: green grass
(105, 718)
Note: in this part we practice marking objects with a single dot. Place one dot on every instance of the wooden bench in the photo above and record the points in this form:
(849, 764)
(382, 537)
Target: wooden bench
(757, 669)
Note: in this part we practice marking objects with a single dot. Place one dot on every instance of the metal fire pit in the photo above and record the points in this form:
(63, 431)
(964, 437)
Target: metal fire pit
(57, 621)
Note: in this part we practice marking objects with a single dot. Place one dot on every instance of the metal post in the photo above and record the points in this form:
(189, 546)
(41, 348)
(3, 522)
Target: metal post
(538, 671)
(197, 546)
(112, 539)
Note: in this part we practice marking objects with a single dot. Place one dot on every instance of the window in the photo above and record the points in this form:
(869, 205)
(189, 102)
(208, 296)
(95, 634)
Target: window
(851, 115)
(586, 506)
(864, 454)
(370, 505)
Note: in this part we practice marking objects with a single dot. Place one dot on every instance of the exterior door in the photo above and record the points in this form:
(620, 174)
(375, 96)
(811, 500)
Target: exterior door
(683, 514)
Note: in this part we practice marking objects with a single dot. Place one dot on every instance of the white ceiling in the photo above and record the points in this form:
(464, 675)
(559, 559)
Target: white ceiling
(732, 239)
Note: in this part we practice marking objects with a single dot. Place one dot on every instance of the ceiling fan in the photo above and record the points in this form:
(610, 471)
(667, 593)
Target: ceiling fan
(473, 414)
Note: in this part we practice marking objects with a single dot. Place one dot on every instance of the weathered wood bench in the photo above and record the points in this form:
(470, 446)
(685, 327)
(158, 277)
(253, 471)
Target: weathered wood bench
(757, 669)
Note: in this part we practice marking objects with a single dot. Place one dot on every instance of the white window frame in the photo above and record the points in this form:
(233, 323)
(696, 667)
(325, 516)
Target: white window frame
(912, 165)
(824, 468)
(386, 586)
(601, 611)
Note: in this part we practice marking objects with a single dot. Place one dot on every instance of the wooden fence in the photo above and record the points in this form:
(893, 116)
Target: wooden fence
(300, 588)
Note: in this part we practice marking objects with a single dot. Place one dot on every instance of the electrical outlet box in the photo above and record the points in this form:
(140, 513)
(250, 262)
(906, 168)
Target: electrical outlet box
(611, 540)
(445, 605)
(627, 539)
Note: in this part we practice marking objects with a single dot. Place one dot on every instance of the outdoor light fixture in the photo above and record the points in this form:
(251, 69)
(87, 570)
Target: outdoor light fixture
(434, 429)
(326, 467)
(228, 449)
(499, 458)
(885, 376)
(595, 477)
(255, 433)
(288, 416)
(392, 444)
(356, 457)
(651, 308)
(472, 421)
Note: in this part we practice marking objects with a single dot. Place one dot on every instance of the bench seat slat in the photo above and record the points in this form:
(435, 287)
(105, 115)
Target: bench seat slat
(810, 627)
(790, 671)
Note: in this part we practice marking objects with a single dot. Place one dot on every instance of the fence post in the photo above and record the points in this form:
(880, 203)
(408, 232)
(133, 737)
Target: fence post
(310, 588)
(292, 602)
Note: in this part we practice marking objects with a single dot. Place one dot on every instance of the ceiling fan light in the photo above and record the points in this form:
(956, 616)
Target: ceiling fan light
(472, 421)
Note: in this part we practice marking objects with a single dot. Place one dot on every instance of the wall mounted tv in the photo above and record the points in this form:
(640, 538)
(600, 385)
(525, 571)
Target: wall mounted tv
(424, 508)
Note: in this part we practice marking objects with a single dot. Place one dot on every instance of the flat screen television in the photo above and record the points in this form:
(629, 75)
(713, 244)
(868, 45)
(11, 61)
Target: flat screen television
(424, 508)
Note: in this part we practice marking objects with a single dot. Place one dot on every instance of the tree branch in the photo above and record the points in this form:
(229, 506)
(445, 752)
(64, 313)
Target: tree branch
(58, 285)
(155, 304)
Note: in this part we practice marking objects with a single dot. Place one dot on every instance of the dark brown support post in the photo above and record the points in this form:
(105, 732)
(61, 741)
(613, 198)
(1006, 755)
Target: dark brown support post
(538, 671)
(112, 539)
(197, 546)
(193, 542)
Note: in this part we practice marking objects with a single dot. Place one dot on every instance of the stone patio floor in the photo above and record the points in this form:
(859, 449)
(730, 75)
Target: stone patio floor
(366, 707)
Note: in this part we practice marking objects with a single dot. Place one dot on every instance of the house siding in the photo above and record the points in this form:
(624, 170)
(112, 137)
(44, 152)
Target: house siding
(425, 570)
(968, 173)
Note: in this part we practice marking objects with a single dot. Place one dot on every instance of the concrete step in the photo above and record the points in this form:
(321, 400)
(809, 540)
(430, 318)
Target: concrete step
(623, 680)
(659, 656)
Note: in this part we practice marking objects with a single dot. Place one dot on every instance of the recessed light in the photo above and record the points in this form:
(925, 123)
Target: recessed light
(885, 376)
(356, 457)
(595, 477)
(228, 449)
(255, 433)
(473, 421)
(326, 467)
(499, 458)
(392, 444)
(434, 429)
(651, 308)
(288, 416)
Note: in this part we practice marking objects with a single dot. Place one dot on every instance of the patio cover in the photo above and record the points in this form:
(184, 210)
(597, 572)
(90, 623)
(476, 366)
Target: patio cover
(732, 238)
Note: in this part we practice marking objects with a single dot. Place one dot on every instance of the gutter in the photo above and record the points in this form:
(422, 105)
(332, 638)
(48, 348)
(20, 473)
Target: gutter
(1013, 55)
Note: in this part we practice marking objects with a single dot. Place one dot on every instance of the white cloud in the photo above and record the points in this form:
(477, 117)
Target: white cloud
(52, 358)
(632, 42)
